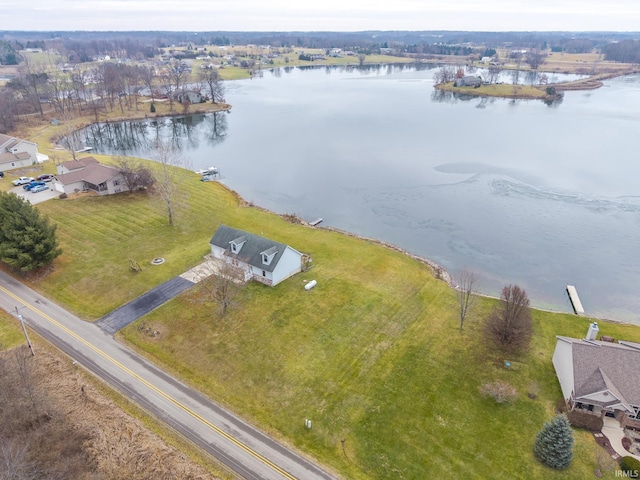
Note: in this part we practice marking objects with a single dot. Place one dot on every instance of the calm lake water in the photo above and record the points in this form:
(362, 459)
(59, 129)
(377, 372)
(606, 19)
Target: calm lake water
(526, 193)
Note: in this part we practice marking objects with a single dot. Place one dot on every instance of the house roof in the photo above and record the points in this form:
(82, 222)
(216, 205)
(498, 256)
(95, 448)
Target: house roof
(599, 366)
(8, 157)
(94, 174)
(79, 164)
(252, 249)
(8, 142)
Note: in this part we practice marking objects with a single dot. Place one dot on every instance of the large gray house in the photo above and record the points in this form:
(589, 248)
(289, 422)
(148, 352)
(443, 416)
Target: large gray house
(600, 377)
(259, 258)
(87, 174)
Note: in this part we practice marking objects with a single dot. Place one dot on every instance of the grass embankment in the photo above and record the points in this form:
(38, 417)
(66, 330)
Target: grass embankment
(372, 356)
(10, 333)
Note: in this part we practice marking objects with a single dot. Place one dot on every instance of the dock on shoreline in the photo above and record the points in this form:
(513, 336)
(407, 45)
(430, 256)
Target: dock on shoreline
(575, 300)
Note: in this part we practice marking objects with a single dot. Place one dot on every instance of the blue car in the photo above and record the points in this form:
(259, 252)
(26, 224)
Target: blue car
(30, 185)
(39, 188)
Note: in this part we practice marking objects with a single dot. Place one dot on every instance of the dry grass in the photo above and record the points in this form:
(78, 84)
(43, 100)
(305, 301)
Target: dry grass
(115, 444)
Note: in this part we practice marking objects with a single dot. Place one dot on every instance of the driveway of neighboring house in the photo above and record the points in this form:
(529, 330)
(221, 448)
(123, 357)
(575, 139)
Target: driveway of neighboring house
(613, 431)
(34, 198)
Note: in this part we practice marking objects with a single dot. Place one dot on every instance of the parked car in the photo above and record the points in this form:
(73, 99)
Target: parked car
(30, 185)
(22, 180)
(39, 188)
(45, 177)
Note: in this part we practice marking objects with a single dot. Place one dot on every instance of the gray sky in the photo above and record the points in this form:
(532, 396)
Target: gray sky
(332, 15)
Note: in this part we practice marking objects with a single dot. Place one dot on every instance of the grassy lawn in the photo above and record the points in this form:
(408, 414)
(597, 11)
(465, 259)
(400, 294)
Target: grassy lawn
(372, 355)
(497, 90)
(10, 332)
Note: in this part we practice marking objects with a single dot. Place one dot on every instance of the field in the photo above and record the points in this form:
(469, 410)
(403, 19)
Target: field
(373, 355)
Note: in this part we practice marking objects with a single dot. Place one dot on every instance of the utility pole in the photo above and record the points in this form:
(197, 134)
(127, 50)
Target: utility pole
(24, 329)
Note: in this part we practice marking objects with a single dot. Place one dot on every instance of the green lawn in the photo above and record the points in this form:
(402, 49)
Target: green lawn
(373, 355)
(10, 332)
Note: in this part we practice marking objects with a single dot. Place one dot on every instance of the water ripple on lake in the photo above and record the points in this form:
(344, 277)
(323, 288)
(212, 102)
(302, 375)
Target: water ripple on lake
(507, 188)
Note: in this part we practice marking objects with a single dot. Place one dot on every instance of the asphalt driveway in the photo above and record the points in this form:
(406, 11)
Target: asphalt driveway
(34, 198)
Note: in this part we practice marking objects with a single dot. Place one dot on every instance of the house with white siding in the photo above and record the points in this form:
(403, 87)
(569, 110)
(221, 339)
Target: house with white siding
(87, 174)
(260, 259)
(600, 377)
(16, 153)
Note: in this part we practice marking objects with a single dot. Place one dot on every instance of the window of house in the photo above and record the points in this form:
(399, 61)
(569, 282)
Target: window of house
(13, 164)
(116, 182)
(233, 247)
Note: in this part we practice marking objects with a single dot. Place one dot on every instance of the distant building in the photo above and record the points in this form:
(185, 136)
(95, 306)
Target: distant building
(468, 81)
(16, 153)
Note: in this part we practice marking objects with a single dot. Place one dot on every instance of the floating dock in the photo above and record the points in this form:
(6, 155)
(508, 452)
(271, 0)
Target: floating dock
(575, 300)
(315, 222)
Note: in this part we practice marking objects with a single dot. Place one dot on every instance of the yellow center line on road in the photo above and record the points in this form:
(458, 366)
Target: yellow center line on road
(154, 388)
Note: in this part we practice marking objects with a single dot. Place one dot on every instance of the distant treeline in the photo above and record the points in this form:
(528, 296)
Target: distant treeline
(627, 51)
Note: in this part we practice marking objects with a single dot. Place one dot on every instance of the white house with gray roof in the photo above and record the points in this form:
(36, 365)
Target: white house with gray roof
(261, 259)
(16, 153)
(600, 377)
(88, 174)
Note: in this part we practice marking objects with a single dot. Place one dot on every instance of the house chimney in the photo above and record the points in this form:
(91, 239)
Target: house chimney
(592, 333)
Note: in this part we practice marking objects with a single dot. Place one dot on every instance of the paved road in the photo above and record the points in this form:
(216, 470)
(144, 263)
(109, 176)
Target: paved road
(245, 450)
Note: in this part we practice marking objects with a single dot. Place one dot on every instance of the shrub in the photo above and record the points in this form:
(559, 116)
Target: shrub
(551, 90)
(501, 392)
(577, 419)
(554, 443)
(630, 465)
(62, 196)
(626, 443)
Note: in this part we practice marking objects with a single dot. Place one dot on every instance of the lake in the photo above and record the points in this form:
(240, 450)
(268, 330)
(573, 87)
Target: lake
(523, 192)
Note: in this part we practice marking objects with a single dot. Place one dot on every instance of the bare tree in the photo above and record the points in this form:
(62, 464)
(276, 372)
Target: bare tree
(510, 325)
(493, 74)
(445, 74)
(466, 289)
(222, 285)
(136, 176)
(210, 77)
(361, 58)
(535, 58)
(167, 182)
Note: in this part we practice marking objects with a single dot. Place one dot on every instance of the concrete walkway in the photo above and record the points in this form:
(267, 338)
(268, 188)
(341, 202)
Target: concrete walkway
(130, 312)
(613, 431)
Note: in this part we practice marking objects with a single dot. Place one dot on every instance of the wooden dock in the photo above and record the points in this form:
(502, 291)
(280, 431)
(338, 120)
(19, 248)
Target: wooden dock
(575, 300)
(316, 222)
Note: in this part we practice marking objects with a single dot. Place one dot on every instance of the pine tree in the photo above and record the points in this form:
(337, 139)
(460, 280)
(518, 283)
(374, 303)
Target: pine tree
(27, 239)
(554, 443)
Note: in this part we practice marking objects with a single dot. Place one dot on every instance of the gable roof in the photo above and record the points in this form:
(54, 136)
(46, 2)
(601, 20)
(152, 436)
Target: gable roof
(252, 249)
(94, 174)
(8, 142)
(599, 366)
(8, 157)
(79, 164)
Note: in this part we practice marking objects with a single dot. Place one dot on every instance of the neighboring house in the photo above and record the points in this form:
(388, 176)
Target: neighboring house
(261, 259)
(600, 377)
(88, 174)
(16, 153)
(188, 96)
(468, 81)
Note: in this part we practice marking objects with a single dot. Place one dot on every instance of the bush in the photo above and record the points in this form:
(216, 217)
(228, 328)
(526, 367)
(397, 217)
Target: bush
(626, 443)
(62, 196)
(501, 392)
(577, 419)
(551, 90)
(630, 465)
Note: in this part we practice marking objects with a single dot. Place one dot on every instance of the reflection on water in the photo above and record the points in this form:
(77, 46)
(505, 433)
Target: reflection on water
(138, 138)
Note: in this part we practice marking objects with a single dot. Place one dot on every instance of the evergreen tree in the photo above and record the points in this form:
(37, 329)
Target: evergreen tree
(554, 443)
(27, 239)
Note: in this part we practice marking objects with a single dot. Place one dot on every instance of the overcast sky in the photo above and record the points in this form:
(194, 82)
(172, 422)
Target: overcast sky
(328, 15)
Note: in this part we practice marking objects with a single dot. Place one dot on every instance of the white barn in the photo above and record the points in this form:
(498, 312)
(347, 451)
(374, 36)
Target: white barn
(261, 259)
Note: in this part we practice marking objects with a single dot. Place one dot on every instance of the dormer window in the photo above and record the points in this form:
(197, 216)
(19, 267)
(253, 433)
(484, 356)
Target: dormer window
(236, 245)
(267, 255)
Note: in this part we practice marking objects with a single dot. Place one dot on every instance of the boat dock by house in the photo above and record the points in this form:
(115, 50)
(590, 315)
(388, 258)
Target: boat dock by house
(575, 300)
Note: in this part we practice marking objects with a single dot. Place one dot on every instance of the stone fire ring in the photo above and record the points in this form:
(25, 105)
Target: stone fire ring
(157, 261)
